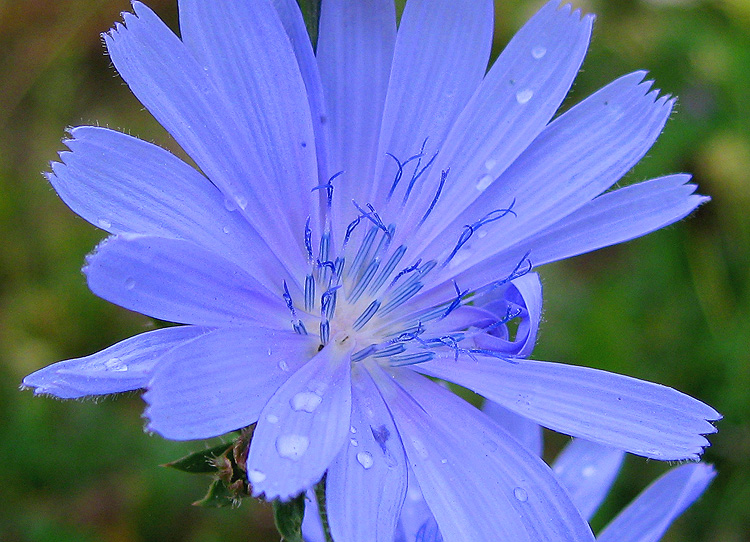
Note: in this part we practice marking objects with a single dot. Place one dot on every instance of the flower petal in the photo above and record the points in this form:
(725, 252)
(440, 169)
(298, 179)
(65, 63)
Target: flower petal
(355, 52)
(520, 298)
(294, 24)
(587, 470)
(268, 174)
(518, 97)
(479, 483)
(366, 484)
(618, 216)
(312, 528)
(576, 158)
(125, 366)
(220, 381)
(519, 427)
(441, 55)
(637, 416)
(178, 281)
(125, 185)
(649, 516)
(303, 426)
(614, 217)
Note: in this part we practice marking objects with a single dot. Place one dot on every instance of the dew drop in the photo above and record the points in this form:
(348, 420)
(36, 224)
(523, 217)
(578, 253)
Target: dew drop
(229, 205)
(272, 418)
(443, 461)
(482, 234)
(490, 163)
(116, 365)
(306, 401)
(255, 476)
(414, 494)
(484, 182)
(491, 445)
(589, 471)
(523, 96)
(538, 52)
(283, 365)
(104, 224)
(292, 446)
(520, 494)
(353, 442)
(225, 229)
(129, 283)
(352, 429)
(365, 459)
(269, 351)
(242, 202)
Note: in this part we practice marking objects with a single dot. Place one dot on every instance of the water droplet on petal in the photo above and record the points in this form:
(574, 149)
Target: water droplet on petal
(306, 400)
(414, 494)
(115, 364)
(104, 224)
(292, 446)
(523, 96)
(520, 494)
(352, 429)
(484, 182)
(283, 365)
(443, 461)
(482, 234)
(354, 442)
(272, 418)
(225, 229)
(490, 163)
(491, 445)
(229, 205)
(589, 471)
(241, 202)
(129, 283)
(365, 459)
(538, 52)
(255, 476)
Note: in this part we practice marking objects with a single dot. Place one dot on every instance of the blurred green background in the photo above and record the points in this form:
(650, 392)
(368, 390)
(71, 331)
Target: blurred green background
(671, 308)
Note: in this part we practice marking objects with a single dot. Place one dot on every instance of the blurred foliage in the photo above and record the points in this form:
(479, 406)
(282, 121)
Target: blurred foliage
(671, 307)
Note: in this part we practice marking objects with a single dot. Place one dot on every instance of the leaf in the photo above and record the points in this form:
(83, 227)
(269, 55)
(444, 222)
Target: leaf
(203, 462)
(218, 496)
(311, 14)
(288, 517)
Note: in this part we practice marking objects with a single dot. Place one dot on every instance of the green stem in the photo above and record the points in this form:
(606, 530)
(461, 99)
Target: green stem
(320, 497)
(311, 13)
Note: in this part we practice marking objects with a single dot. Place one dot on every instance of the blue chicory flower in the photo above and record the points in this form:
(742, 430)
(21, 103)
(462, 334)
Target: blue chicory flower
(587, 471)
(359, 218)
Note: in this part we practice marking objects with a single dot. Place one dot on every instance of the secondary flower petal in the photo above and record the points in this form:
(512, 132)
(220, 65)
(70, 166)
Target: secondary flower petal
(618, 411)
(587, 470)
(144, 189)
(506, 493)
(441, 55)
(220, 381)
(366, 483)
(178, 281)
(355, 53)
(191, 105)
(528, 433)
(127, 365)
(648, 517)
(303, 426)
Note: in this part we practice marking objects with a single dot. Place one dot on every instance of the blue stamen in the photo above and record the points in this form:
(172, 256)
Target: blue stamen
(401, 295)
(406, 271)
(388, 269)
(417, 174)
(390, 350)
(363, 281)
(328, 187)
(308, 240)
(325, 330)
(469, 229)
(366, 316)
(362, 354)
(309, 292)
(443, 176)
(363, 252)
(372, 216)
(350, 229)
(328, 302)
(411, 359)
(456, 302)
